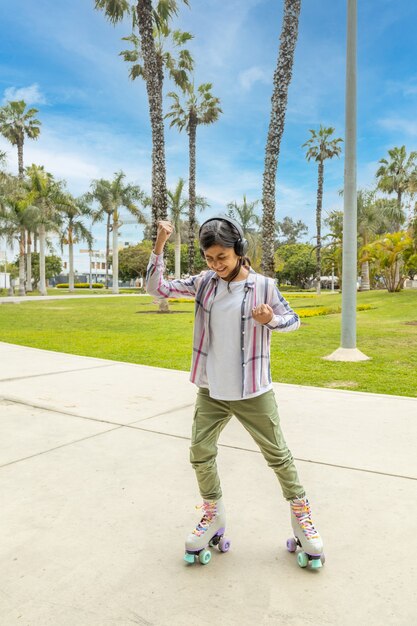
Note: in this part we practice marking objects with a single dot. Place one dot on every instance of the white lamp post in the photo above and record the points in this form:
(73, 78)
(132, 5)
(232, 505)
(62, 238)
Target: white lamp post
(348, 350)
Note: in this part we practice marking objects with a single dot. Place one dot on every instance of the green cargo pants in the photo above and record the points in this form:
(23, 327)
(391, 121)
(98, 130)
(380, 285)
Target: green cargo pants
(260, 417)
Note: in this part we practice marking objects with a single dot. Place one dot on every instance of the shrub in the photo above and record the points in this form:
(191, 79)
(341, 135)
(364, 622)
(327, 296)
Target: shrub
(80, 286)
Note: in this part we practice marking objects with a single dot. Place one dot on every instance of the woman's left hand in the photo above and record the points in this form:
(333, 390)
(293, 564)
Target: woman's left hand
(262, 314)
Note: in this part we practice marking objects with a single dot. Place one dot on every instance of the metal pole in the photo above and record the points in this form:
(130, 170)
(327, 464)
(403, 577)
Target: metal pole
(348, 350)
(350, 206)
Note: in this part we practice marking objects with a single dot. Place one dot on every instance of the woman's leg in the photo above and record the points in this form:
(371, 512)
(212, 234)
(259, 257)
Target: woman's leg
(210, 417)
(260, 417)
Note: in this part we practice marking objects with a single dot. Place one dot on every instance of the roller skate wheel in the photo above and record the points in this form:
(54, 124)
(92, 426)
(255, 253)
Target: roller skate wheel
(224, 544)
(204, 557)
(302, 559)
(316, 564)
(323, 559)
(291, 545)
(189, 558)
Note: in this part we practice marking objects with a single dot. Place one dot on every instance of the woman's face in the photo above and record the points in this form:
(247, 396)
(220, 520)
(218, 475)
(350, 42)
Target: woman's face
(221, 260)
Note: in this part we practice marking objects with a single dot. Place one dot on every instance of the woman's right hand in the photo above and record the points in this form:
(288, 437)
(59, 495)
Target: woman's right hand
(165, 230)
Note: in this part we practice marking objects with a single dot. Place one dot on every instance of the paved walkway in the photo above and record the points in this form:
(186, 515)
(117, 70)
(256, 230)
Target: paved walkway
(97, 496)
(23, 299)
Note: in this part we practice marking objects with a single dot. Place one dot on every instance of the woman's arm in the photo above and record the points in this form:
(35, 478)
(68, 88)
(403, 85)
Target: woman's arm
(156, 285)
(276, 314)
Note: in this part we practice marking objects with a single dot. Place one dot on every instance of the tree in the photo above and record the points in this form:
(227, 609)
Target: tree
(320, 147)
(53, 266)
(145, 17)
(48, 198)
(250, 221)
(74, 230)
(200, 107)
(290, 231)
(333, 250)
(294, 263)
(282, 79)
(245, 214)
(397, 175)
(112, 196)
(388, 254)
(16, 214)
(134, 260)
(16, 124)
(177, 206)
(390, 215)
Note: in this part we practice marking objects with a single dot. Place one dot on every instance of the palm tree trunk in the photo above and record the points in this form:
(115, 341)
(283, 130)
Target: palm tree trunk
(42, 281)
(191, 193)
(282, 79)
(365, 282)
(106, 281)
(399, 265)
(20, 159)
(177, 252)
(115, 259)
(22, 239)
(71, 260)
(318, 225)
(153, 81)
(29, 262)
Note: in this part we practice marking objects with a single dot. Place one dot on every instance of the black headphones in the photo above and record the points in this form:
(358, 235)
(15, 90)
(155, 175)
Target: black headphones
(241, 245)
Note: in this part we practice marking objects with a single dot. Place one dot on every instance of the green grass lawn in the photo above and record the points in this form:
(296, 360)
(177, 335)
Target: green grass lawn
(119, 329)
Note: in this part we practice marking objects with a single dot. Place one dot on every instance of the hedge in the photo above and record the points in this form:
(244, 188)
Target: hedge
(80, 286)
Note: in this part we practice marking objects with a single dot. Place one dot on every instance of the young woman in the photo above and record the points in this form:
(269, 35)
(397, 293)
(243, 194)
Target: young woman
(236, 310)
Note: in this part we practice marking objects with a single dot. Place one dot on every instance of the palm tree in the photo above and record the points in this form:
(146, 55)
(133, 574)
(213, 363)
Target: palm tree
(74, 229)
(368, 222)
(200, 107)
(49, 199)
(177, 206)
(145, 17)
(113, 195)
(388, 254)
(245, 214)
(16, 215)
(249, 220)
(397, 175)
(282, 79)
(321, 147)
(335, 246)
(177, 68)
(99, 193)
(16, 124)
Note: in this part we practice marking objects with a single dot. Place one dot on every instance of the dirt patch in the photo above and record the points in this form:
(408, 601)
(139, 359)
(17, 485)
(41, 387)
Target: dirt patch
(338, 384)
(412, 323)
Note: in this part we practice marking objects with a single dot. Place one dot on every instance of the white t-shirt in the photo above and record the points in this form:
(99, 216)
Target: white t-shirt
(224, 359)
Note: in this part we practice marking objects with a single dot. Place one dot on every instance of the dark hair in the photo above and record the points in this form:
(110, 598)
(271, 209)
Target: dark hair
(222, 233)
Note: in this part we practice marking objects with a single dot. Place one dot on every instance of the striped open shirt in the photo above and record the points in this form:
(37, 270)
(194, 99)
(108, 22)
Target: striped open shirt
(255, 337)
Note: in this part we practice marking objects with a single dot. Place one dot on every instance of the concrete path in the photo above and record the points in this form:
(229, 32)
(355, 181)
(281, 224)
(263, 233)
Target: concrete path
(23, 299)
(97, 496)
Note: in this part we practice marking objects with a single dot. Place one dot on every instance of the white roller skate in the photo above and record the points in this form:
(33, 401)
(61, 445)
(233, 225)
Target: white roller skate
(208, 532)
(306, 536)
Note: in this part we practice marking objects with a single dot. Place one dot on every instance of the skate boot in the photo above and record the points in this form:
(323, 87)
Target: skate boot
(306, 536)
(208, 532)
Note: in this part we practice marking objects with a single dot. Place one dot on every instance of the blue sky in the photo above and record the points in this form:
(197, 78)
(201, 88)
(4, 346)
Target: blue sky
(62, 58)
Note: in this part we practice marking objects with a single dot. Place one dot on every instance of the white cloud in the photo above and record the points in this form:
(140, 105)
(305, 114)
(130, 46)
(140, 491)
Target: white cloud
(400, 124)
(30, 94)
(252, 75)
